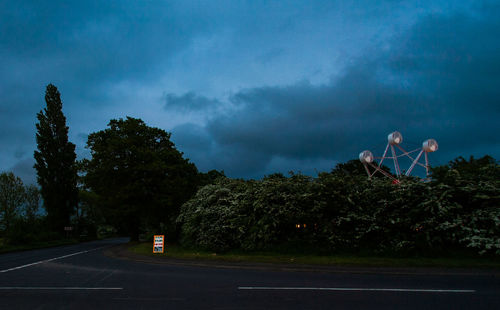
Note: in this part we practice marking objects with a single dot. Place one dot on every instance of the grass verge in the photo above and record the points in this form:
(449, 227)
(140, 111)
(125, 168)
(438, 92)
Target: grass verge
(178, 252)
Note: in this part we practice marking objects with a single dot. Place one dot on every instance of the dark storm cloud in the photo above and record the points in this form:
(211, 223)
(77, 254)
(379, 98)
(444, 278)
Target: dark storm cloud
(189, 102)
(454, 64)
(95, 40)
(24, 170)
(198, 145)
(229, 71)
(439, 80)
(85, 48)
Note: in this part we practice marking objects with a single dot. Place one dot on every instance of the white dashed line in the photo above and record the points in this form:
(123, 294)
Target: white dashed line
(58, 288)
(416, 290)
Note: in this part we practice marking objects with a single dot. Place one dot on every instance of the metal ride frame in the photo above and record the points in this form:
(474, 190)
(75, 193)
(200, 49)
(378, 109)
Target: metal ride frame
(394, 139)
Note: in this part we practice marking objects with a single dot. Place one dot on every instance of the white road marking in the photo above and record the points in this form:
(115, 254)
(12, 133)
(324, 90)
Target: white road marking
(355, 289)
(57, 288)
(51, 259)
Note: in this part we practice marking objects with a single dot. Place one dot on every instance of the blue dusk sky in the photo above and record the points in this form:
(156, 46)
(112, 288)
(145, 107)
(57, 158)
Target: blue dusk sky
(256, 87)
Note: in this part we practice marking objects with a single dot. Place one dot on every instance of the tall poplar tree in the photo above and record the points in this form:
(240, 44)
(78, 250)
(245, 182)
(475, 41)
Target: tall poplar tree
(55, 162)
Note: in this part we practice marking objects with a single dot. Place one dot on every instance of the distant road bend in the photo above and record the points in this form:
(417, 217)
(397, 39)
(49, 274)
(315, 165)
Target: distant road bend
(82, 277)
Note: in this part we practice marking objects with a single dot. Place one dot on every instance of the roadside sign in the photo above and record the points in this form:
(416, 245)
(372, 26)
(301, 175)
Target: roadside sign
(158, 243)
(68, 228)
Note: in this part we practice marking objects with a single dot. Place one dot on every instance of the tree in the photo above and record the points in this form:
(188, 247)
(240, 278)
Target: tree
(89, 213)
(481, 169)
(354, 167)
(210, 177)
(55, 162)
(32, 202)
(139, 176)
(12, 197)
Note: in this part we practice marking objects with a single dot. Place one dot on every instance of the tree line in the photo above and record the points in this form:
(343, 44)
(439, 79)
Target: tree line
(137, 183)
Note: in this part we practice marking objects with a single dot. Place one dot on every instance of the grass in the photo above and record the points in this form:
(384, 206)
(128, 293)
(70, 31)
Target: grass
(178, 252)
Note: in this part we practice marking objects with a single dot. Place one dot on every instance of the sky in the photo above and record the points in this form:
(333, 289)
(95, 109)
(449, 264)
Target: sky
(256, 87)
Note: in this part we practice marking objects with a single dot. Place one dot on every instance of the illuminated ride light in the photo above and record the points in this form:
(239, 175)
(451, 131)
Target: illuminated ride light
(394, 139)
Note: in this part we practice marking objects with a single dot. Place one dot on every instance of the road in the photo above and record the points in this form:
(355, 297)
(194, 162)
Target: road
(82, 277)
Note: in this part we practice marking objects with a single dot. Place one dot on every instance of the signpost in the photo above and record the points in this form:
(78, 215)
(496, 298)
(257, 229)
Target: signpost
(68, 230)
(158, 243)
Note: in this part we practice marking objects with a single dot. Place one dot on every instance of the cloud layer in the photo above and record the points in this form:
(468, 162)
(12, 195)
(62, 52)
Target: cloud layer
(437, 80)
(255, 87)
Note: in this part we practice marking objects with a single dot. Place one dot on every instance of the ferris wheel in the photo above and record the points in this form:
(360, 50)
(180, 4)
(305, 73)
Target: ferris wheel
(394, 140)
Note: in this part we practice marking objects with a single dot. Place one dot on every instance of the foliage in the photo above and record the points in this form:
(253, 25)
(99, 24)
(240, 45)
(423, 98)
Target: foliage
(215, 218)
(138, 176)
(210, 177)
(90, 215)
(12, 196)
(485, 168)
(20, 221)
(473, 187)
(459, 211)
(32, 204)
(55, 162)
(354, 167)
(278, 204)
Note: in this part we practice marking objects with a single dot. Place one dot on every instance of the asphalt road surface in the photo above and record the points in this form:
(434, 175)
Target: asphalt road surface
(82, 277)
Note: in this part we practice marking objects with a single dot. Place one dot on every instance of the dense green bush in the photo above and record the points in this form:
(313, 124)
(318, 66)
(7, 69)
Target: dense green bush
(344, 211)
(473, 187)
(215, 218)
(277, 204)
